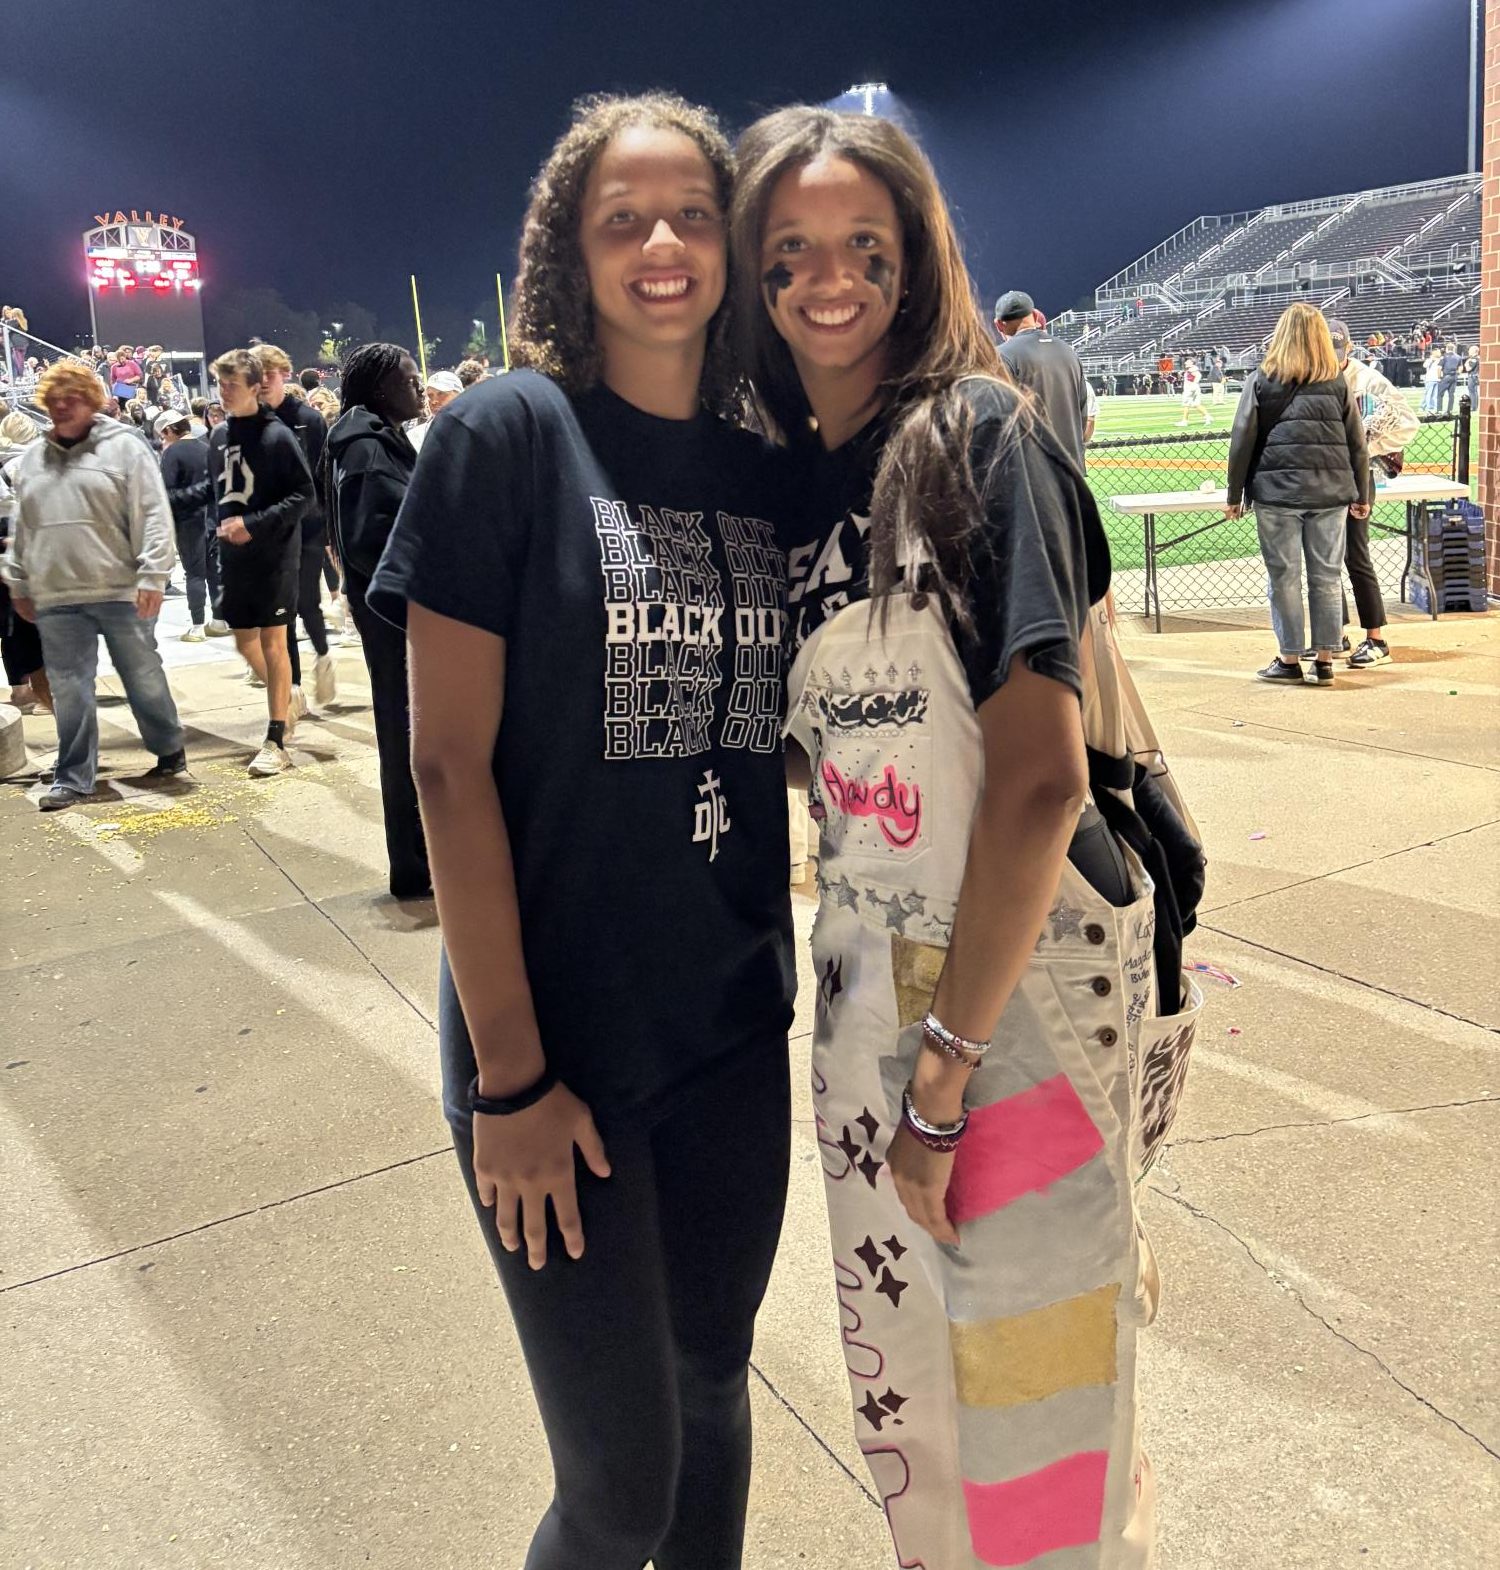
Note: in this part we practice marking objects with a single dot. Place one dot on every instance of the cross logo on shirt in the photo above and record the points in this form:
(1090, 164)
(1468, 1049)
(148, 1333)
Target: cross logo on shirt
(711, 815)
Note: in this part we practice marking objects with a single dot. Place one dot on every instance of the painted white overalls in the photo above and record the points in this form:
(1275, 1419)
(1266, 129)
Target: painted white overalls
(993, 1383)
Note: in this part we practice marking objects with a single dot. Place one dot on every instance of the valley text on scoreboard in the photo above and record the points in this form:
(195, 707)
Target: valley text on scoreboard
(144, 284)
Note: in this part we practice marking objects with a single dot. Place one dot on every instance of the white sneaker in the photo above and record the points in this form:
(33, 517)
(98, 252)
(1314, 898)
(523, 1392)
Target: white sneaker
(251, 679)
(218, 629)
(296, 708)
(325, 680)
(194, 634)
(270, 760)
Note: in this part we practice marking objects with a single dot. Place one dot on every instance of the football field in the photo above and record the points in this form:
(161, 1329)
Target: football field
(1171, 464)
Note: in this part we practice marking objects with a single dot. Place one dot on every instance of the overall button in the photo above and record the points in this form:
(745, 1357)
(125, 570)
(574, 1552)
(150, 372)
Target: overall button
(1108, 1036)
(1102, 986)
(1094, 933)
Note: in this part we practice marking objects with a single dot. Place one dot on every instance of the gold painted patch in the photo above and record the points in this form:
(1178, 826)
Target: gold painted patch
(915, 968)
(1028, 1357)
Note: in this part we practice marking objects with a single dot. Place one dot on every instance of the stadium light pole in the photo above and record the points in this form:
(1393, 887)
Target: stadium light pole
(1473, 86)
(867, 93)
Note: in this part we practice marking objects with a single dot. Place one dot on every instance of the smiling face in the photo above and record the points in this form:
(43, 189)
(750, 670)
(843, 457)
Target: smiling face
(652, 236)
(831, 265)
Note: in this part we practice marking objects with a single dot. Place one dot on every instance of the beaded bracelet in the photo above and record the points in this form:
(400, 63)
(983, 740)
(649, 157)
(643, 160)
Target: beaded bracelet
(935, 1027)
(941, 1137)
(937, 1045)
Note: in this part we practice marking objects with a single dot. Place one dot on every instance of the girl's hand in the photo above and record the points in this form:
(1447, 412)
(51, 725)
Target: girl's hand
(522, 1161)
(921, 1177)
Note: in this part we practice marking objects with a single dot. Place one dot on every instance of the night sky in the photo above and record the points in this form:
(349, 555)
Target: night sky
(328, 149)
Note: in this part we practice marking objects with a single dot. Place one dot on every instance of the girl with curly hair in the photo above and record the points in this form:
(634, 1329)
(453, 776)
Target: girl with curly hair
(591, 567)
(987, 941)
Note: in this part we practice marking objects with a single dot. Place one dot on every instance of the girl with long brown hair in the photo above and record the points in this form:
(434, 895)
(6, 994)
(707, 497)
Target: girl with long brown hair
(590, 566)
(984, 945)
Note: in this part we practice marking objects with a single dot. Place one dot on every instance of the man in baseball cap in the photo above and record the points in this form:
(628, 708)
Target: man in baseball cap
(442, 388)
(1046, 366)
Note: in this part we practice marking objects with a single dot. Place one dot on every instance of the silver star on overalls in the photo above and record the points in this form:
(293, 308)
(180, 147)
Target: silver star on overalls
(1066, 922)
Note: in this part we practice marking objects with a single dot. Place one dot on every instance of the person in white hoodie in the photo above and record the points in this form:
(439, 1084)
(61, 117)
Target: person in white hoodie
(1390, 423)
(90, 553)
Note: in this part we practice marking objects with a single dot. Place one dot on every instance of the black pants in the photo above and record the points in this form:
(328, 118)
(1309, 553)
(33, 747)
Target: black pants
(20, 642)
(1361, 570)
(309, 602)
(385, 659)
(639, 1352)
(200, 563)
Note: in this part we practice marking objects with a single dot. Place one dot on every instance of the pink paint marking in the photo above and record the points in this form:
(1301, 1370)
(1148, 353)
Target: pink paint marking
(896, 807)
(887, 1500)
(1061, 1506)
(1018, 1146)
(848, 1280)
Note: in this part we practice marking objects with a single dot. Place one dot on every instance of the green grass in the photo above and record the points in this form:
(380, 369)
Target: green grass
(1189, 466)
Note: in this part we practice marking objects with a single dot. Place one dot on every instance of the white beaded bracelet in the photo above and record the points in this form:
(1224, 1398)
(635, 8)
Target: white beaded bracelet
(940, 1032)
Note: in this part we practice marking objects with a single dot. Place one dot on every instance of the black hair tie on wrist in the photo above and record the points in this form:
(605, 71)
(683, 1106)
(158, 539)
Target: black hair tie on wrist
(506, 1106)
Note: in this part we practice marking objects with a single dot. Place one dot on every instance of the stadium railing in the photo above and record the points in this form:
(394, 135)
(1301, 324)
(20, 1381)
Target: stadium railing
(18, 377)
(1205, 561)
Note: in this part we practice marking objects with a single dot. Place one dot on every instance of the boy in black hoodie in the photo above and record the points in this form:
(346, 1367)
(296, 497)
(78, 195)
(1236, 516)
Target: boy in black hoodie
(263, 487)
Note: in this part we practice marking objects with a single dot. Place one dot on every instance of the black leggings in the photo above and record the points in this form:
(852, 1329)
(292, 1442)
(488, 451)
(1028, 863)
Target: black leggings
(384, 649)
(309, 602)
(639, 1352)
(20, 642)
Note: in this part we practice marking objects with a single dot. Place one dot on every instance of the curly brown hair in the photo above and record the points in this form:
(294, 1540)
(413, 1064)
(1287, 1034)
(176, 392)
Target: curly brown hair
(553, 313)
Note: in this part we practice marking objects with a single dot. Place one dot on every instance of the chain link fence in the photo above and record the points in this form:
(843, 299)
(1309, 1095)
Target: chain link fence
(1205, 561)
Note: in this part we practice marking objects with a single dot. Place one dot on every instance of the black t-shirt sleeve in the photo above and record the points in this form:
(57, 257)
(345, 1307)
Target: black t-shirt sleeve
(460, 540)
(1039, 561)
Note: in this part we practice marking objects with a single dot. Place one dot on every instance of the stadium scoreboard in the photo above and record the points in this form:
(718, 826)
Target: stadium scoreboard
(144, 283)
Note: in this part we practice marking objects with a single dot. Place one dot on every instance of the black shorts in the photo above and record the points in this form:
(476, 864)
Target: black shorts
(259, 583)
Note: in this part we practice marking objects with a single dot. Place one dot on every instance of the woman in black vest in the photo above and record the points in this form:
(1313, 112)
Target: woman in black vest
(1297, 454)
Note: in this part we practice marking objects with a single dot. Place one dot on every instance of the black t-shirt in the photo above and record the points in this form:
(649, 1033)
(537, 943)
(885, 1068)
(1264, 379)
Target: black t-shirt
(1049, 368)
(635, 567)
(1039, 555)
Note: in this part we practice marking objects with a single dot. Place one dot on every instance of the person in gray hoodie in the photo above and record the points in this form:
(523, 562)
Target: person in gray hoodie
(90, 554)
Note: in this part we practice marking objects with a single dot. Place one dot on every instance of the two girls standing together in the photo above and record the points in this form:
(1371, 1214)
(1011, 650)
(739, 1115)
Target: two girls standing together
(603, 576)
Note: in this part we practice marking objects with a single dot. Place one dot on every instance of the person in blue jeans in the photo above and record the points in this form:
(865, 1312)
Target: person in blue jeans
(1297, 452)
(89, 558)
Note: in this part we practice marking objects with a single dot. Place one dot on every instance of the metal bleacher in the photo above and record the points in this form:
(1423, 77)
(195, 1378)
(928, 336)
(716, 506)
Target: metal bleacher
(1381, 259)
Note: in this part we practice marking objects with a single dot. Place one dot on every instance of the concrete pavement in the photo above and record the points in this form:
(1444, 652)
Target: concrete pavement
(246, 1319)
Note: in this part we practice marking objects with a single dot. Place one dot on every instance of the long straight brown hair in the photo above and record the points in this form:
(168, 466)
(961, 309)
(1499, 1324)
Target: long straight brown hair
(925, 502)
